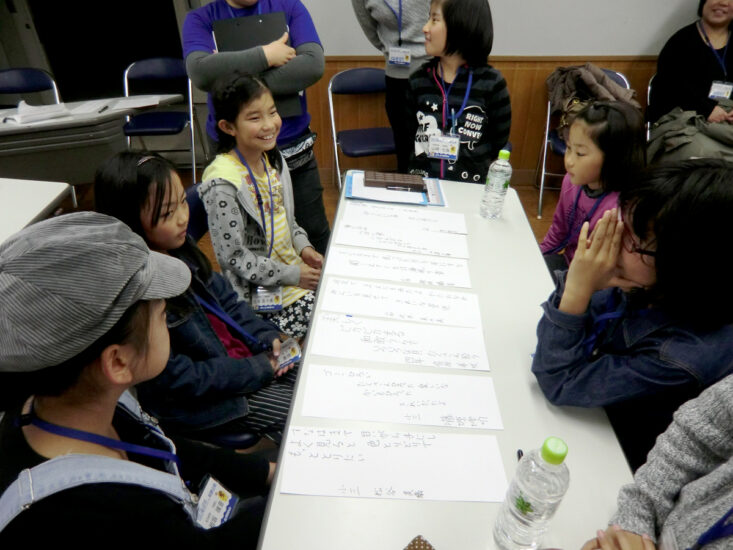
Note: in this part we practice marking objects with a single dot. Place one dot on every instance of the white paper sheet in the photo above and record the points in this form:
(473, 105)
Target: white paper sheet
(338, 335)
(402, 303)
(399, 267)
(92, 106)
(401, 397)
(371, 214)
(135, 102)
(407, 465)
(398, 237)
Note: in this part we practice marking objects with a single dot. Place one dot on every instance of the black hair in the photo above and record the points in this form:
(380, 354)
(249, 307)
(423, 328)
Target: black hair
(617, 129)
(699, 7)
(684, 208)
(229, 96)
(132, 328)
(470, 29)
(123, 186)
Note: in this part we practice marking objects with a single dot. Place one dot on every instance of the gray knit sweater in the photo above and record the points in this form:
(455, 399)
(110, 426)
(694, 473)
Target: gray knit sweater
(687, 483)
(380, 27)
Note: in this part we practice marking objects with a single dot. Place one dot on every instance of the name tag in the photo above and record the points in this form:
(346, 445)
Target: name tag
(216, 504)
(444, 147)
(267, 298)
(720, 90)
(398, 56)
(289, 353)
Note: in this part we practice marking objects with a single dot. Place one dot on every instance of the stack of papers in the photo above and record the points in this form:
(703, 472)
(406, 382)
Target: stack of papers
(35, 113)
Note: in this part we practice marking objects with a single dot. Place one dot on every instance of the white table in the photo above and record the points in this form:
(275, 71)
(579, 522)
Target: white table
(23, 202)
(68, 148)
(508, 272)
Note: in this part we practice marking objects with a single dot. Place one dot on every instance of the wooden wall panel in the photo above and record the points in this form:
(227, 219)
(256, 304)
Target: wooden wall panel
(525, 78)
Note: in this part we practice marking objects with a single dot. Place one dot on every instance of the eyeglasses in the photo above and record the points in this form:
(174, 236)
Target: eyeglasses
(632, 245)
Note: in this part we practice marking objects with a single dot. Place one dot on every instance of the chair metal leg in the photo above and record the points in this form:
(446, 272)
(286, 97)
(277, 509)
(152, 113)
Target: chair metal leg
(544, 162)
(74, 202)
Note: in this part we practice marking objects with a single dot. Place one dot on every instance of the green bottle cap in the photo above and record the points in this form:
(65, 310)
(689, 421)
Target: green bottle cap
(504, 154)
(554, 450)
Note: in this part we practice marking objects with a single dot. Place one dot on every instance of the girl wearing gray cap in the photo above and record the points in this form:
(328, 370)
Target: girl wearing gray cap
(82, 321)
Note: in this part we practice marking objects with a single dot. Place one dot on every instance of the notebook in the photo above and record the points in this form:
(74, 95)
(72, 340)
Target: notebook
(243, 33)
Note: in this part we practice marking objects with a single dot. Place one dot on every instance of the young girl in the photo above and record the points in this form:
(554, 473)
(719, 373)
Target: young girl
(249, 201)
(605, 150)
(458, 105)
(222, 376)
(642, 321)
(83, 320)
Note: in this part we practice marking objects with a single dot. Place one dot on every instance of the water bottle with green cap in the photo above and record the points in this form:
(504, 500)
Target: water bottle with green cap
(497, 182)
(541, 481)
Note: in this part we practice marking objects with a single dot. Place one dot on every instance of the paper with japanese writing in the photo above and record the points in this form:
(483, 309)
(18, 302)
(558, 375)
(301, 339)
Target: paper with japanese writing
(412, 465)
(398, 267)
(371, 214)
(380, 340)
(400, 237)
(402, 303)
(453, 400)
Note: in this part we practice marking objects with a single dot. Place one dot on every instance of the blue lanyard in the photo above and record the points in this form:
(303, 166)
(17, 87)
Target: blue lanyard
(221, 314)
(722, 528)
(99, 439)
(259, 198)
(600, 323)
(574, 232)
(259, 9)
(399, 20)
(721, 59)
(446, 94)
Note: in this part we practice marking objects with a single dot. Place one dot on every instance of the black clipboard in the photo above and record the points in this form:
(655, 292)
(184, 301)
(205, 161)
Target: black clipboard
(243, 33)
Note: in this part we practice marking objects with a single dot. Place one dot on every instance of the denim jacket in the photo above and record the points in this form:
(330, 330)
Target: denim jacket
(201, 386)
(642, 366)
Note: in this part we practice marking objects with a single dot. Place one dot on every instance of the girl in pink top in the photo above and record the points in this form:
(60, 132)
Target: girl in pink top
(605, 147)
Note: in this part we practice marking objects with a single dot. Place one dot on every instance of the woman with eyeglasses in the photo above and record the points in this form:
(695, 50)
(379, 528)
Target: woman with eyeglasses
(641, 322)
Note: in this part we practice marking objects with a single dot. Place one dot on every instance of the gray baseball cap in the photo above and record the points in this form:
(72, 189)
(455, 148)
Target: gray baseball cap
(66, 281)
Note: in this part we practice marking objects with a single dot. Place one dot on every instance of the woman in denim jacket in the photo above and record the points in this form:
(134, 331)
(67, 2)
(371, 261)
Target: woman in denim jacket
(222, 376)
(641, 322)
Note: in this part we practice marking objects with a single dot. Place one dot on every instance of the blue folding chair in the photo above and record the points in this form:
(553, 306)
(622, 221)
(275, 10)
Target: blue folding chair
(555, 143)
(27, 80)
(362, 142)
(170, 74)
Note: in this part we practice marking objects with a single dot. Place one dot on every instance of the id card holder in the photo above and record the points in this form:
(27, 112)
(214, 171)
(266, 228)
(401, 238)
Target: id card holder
(267, 298)
(289, 353)
(398, 56)
(720, 90)
(444, 147)
(216, 504)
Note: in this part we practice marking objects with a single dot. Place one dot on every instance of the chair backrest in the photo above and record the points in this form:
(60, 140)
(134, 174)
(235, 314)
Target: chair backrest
(618, 78)
(26, 80)
(198, 222)
(156, 71)
(364, 80)
(649, 90)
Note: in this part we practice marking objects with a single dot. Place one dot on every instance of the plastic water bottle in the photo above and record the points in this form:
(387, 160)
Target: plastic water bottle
(497, 182)
(533, 497)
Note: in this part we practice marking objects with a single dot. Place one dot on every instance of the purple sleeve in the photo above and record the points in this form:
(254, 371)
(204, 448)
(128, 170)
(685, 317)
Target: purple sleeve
(197, 29)
(559, 228)
(301, 25)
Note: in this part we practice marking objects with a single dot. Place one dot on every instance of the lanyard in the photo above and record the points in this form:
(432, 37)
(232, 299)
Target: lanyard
(599, 325)
(571, 220)
(259, 9)
(720, 58)
(81, 435)
(399, 20)
(259, 199)
(221, 314)
(446, 95)
(722, 528)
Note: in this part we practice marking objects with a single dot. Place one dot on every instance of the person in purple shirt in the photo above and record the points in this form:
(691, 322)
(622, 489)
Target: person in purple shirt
(288, 66)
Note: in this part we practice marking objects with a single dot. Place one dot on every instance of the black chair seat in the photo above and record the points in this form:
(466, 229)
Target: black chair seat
(366, 142)
(156, 124)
